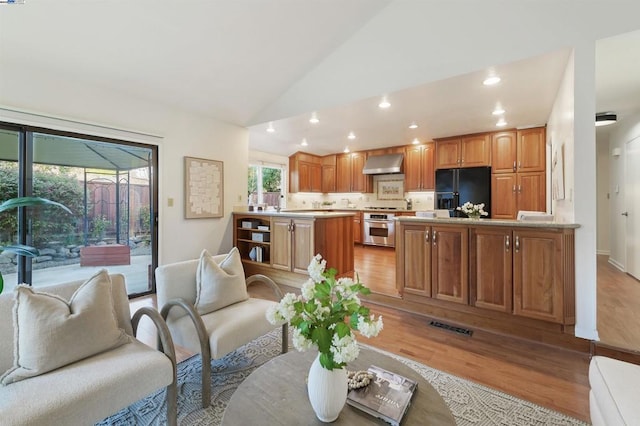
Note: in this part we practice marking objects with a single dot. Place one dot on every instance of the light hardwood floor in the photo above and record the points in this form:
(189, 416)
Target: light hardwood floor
(554, 378)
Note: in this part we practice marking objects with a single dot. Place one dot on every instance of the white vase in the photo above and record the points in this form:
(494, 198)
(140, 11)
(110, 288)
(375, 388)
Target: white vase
(327, 391)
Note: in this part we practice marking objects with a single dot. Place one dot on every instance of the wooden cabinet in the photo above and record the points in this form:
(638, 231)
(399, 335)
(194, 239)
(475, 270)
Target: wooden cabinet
(419, 173)
(511, 192)
(541, 271)
(329, 173)
(253, 231)
(434, 262)
(349, 177)
(519, 151)
(357, 227)
(293, 244)
(465, 151)
(305, 173)
(491, 268)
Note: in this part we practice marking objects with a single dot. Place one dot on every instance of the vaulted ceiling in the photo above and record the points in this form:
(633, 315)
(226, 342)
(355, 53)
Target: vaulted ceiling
(250, 62)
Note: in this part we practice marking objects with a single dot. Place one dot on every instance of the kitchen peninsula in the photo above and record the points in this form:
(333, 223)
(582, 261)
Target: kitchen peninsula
(282, 244)
(515, 277)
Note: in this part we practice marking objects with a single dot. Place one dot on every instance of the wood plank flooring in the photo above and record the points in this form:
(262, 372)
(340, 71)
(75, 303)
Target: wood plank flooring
(554, 378)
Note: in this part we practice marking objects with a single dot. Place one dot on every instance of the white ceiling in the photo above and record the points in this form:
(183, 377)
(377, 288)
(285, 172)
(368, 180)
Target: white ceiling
(248, 62)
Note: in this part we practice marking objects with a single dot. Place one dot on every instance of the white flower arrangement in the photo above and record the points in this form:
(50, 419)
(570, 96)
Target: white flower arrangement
(473, 210)
(326, 314)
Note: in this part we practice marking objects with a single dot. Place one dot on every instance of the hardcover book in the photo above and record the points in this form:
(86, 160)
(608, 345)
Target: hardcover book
(387, 396)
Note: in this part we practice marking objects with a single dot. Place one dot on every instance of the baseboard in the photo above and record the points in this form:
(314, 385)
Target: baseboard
(622, 354)
(616, 265)
(603, 252)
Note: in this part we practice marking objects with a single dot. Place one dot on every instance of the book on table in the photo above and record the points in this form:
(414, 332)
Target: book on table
(387, 396)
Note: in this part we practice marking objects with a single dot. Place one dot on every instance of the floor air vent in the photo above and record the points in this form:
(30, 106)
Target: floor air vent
(459, 330)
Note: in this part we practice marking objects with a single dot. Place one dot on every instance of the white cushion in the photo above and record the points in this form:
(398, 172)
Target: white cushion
(86, 391)
(50, 332)
(228, 328)
(219, 284)
(614, 396)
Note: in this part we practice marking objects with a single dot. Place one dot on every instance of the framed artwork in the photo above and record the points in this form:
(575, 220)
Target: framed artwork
(203, 188)
(390, 189)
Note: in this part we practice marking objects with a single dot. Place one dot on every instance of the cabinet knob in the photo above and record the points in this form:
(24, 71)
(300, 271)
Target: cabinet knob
(514, 188)
(514, 165)
(519, 188)
(507, 243)
(517, 243)
(433, 238)
(426, 237)
(625, 213)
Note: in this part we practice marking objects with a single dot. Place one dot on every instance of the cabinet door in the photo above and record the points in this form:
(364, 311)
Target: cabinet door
(448, 154)
(413, 168)
(475, 151)
(531, 150)
(450, 263)
(303, 244)
(428, 172)
(357, 228)
(343, 173)
(315, 178)
(537, 278)
(304, 176)
(532, 191)
(503, 196)
(490, 268)
(328, 179)
(281, 243)
(416, 260)
(359, 182)
(503, 152)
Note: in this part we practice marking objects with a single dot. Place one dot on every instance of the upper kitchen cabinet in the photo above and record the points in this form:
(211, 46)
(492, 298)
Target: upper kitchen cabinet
(521, 151)
(329, 173)
(305, 173)
(349, 176)
(465, 151)
(419, 174)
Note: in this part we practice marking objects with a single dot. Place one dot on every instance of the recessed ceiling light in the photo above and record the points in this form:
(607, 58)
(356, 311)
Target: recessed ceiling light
(490, 81)
(270, 128)
(498, 111)
(413, 125)
(351, 135)
(501, 123)
(346, 149)
(304, 142)
(384, 103)
(605, 118)
(415, 141)
(314, 119)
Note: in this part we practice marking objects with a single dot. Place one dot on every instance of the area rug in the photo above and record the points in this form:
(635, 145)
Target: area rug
(471, 404)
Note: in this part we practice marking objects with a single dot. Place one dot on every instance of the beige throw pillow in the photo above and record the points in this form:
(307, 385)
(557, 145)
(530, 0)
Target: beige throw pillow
(219, 285)
(51, 332)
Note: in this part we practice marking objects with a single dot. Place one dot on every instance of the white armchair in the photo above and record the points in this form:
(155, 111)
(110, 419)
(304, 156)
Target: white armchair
(216, 333)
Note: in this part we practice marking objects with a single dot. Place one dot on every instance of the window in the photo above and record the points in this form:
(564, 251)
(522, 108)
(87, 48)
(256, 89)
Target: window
(266, 185)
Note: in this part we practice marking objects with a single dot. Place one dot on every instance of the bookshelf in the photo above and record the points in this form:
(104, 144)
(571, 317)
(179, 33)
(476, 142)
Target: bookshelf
(253, 238)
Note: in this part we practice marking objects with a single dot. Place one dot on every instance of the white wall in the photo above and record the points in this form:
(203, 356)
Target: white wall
(626, 129)
(181, 134)
(603, 194)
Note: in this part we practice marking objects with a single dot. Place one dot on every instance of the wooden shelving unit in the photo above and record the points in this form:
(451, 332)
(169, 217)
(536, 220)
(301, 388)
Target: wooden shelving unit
(249, 237)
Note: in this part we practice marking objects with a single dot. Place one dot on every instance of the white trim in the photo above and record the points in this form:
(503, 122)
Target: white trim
(30, 118)
(604, 252)
(617, 265)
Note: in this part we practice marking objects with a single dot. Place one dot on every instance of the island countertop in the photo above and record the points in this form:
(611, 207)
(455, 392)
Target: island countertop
(487, 222)
(311, 214)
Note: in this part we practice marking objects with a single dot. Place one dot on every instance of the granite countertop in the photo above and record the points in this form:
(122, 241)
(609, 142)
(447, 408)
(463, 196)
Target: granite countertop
(298, 213)
(488, 222)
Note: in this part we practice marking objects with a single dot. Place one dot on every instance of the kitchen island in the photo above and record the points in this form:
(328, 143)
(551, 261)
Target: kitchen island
(515, 277)
(282, 244)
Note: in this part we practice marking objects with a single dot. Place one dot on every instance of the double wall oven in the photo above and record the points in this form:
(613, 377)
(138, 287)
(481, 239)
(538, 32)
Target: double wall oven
(379, 229)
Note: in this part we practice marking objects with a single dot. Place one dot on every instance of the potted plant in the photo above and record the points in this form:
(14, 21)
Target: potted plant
(21, 249)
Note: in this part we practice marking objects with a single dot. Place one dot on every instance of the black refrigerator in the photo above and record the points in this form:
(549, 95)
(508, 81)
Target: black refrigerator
(455, 187)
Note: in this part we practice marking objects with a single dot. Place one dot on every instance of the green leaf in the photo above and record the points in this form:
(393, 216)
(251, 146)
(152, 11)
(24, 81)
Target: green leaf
(304, 328)
(22, 250)
(353, 320)
(310, 306)
(342, 329)
(326, 360)
(322, 337)
(29, 201)
(1, 283)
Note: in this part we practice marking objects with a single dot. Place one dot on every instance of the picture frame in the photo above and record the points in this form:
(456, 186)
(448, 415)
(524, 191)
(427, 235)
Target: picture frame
(390, 190)
(203, 188)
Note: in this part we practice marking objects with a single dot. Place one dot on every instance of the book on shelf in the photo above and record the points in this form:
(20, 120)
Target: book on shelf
(387, 397)
(258, 254)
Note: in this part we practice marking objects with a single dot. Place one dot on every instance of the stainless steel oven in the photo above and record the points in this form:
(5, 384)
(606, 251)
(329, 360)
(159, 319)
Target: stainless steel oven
(379, 229)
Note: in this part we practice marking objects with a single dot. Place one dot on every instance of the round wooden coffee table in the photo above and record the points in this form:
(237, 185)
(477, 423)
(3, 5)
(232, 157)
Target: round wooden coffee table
(276, 393)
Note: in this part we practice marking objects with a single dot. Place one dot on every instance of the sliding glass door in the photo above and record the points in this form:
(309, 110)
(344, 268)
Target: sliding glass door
(109, 185)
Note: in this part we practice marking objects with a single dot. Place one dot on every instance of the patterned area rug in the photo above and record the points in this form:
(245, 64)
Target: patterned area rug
(470, 403)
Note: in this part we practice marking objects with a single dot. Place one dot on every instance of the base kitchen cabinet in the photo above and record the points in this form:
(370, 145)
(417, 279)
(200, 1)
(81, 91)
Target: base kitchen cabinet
(292, 245)
(434, 262)
(491, 268)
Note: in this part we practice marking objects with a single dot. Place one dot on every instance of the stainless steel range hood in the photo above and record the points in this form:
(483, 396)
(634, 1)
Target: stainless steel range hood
(383, 164)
